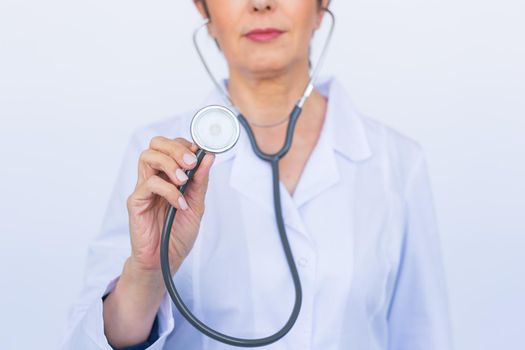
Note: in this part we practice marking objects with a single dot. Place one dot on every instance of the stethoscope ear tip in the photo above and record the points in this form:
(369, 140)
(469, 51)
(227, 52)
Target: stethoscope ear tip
(215, 129)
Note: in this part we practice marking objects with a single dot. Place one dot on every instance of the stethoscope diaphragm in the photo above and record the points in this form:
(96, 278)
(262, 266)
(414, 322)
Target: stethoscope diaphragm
(215, 129)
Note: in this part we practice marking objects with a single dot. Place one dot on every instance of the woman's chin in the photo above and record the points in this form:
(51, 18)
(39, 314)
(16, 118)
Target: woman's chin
(266, 69)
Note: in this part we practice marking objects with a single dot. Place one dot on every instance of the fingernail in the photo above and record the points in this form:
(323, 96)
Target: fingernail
(189, 158)
(181, 175)
(182, 203)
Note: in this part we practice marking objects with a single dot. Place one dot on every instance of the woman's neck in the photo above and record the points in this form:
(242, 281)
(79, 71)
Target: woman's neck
(267, 100)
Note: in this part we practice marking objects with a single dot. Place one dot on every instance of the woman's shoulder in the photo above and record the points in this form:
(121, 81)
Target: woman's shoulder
(398, 153)
(386, 138)
(379, 139)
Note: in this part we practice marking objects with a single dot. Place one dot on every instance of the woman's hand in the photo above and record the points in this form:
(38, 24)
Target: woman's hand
(140, 288)
(160, 172)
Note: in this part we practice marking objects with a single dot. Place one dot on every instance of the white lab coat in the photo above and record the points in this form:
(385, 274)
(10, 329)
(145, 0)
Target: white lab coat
(361, 225)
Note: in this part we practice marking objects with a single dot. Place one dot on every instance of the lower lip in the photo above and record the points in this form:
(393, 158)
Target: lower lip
(263, 37)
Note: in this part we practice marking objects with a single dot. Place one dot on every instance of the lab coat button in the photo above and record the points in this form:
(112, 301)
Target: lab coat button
(303, 262)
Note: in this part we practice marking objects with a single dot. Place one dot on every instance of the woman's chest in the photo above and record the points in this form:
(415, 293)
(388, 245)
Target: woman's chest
(292, 165)
(343, 241)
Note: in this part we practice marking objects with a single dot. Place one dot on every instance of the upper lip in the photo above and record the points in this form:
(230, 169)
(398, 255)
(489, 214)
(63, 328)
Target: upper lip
(264, 31)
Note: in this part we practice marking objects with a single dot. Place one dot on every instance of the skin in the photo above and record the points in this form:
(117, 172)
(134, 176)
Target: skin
(265, 81)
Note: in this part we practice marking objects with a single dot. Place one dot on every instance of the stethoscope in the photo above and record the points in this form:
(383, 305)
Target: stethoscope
(216, 129)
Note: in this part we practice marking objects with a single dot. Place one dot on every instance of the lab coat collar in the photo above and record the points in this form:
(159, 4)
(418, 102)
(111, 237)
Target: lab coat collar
(342, 132)
(344, 123)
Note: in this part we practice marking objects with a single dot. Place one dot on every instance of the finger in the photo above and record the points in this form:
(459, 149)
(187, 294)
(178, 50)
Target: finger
(198, 186)
(153, 161)
(179, 149)
(191, 145)
(155, 185)
(200, 176)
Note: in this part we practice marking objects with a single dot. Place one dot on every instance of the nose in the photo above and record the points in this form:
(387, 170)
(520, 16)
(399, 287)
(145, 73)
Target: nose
(263, 5)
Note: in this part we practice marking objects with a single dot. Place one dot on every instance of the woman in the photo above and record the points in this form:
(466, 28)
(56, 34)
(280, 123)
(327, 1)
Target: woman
(356, 199)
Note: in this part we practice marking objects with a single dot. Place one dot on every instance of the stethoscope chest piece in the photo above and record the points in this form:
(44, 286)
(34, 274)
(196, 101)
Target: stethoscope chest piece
(215, 129)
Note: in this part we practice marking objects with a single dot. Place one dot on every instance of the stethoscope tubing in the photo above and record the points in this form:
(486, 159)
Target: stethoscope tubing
(273, 159)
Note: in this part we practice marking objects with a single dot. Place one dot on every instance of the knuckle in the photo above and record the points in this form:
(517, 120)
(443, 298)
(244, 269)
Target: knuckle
(181, 145)
(181, 140)
(143, 155)
(155, 161)
(155, 141)
(129, 200)
(153, 181)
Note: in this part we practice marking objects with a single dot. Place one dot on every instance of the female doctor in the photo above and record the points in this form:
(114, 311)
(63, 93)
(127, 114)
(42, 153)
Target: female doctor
(356, 198)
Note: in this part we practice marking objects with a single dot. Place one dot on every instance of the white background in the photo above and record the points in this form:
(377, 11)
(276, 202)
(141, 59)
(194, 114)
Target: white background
(77, 77)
